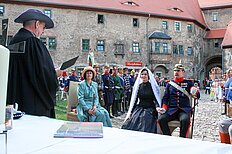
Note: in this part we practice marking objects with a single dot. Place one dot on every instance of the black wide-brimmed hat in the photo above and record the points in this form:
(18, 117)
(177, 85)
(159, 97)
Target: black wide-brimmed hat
(33, 14)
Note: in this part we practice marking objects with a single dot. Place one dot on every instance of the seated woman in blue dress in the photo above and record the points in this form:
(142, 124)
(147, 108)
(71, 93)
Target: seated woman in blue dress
(142, 114)
(88, 107)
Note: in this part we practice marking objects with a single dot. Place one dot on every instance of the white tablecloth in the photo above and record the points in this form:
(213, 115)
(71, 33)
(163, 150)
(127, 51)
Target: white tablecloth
(32, 134)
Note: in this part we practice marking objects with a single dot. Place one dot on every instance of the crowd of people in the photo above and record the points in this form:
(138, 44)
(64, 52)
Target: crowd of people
(103, 95)
(139, 95)
(115, 83)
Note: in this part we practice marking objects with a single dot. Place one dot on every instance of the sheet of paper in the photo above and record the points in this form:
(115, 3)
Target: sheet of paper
(68, 63)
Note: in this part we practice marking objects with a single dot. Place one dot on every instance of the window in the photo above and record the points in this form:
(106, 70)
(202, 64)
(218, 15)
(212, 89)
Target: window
(190, 28)
(190, 51)
(100, 45)
(100, 19)
(176, 9)
(2, 10)
(48, 13)
(85, 45)
(1, 40)
(135, 47)
(157, 47)
(9, 38)
(131, 3)
(135, 22)
(165, 48)
(214, 16)
(216, 45)
(175, 50)
(159, 74)
(177, 26)
(164, 25)
(181, 50)
(51, 43)
(43, 40)
(119, 49)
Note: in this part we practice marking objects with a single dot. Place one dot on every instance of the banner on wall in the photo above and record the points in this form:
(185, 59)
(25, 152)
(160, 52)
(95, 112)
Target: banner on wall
(136, 64)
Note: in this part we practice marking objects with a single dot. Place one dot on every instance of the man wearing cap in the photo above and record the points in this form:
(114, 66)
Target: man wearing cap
(32, 81)
(98, 79)
(108, 88)
(121, 103)
(127, 89)
(227, 87)
(72, 77)
(117, 93)
(176, 102)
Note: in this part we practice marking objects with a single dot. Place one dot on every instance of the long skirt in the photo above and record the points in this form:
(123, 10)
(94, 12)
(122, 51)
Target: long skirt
(142, 119)
(101, 116)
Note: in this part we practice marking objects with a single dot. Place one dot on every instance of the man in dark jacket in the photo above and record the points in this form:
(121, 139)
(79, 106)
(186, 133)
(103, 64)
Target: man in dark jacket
(108, 88)
(32, 80)
(176, 102)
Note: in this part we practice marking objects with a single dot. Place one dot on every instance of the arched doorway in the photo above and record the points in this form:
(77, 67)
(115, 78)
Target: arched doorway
(213, 67)
(215, 73)
(161, 71)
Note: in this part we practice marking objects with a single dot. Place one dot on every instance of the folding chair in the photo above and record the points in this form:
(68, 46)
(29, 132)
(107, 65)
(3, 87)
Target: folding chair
(174, 124)
(72, 101)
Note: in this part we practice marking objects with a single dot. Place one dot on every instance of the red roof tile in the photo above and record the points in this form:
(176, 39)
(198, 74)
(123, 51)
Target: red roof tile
(214, 3)
(227, 41)
(215, 33)
(191, 9)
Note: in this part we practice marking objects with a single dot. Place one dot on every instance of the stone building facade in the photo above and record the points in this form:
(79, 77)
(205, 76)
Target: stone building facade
(121, 38)
(217, 19)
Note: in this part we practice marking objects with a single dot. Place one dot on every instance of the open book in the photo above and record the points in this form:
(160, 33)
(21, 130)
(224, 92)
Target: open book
(80, 130)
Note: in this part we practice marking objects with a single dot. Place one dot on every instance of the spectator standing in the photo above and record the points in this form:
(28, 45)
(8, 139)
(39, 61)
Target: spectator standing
(71, 77)
(127, 89)
(121, 98)
(108, 88)
(227, 85)
(98, 79)
(117, 92)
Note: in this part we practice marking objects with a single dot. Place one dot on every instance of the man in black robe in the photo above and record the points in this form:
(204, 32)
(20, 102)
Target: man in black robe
(32, 80)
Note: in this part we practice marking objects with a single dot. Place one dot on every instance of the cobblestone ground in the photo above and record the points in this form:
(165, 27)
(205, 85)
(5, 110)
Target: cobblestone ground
(207, 114)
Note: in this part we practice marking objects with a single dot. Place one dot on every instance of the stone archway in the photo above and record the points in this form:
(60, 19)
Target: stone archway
(161, 71)
(214, 61)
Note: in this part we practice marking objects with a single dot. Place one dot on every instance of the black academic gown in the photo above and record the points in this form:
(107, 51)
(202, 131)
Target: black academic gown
(32, 81)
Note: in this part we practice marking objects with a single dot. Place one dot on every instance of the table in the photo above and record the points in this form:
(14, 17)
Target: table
(34, 135)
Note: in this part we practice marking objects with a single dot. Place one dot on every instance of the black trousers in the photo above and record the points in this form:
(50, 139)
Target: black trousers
(207, 91)
(182, 116)
(115, 107)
